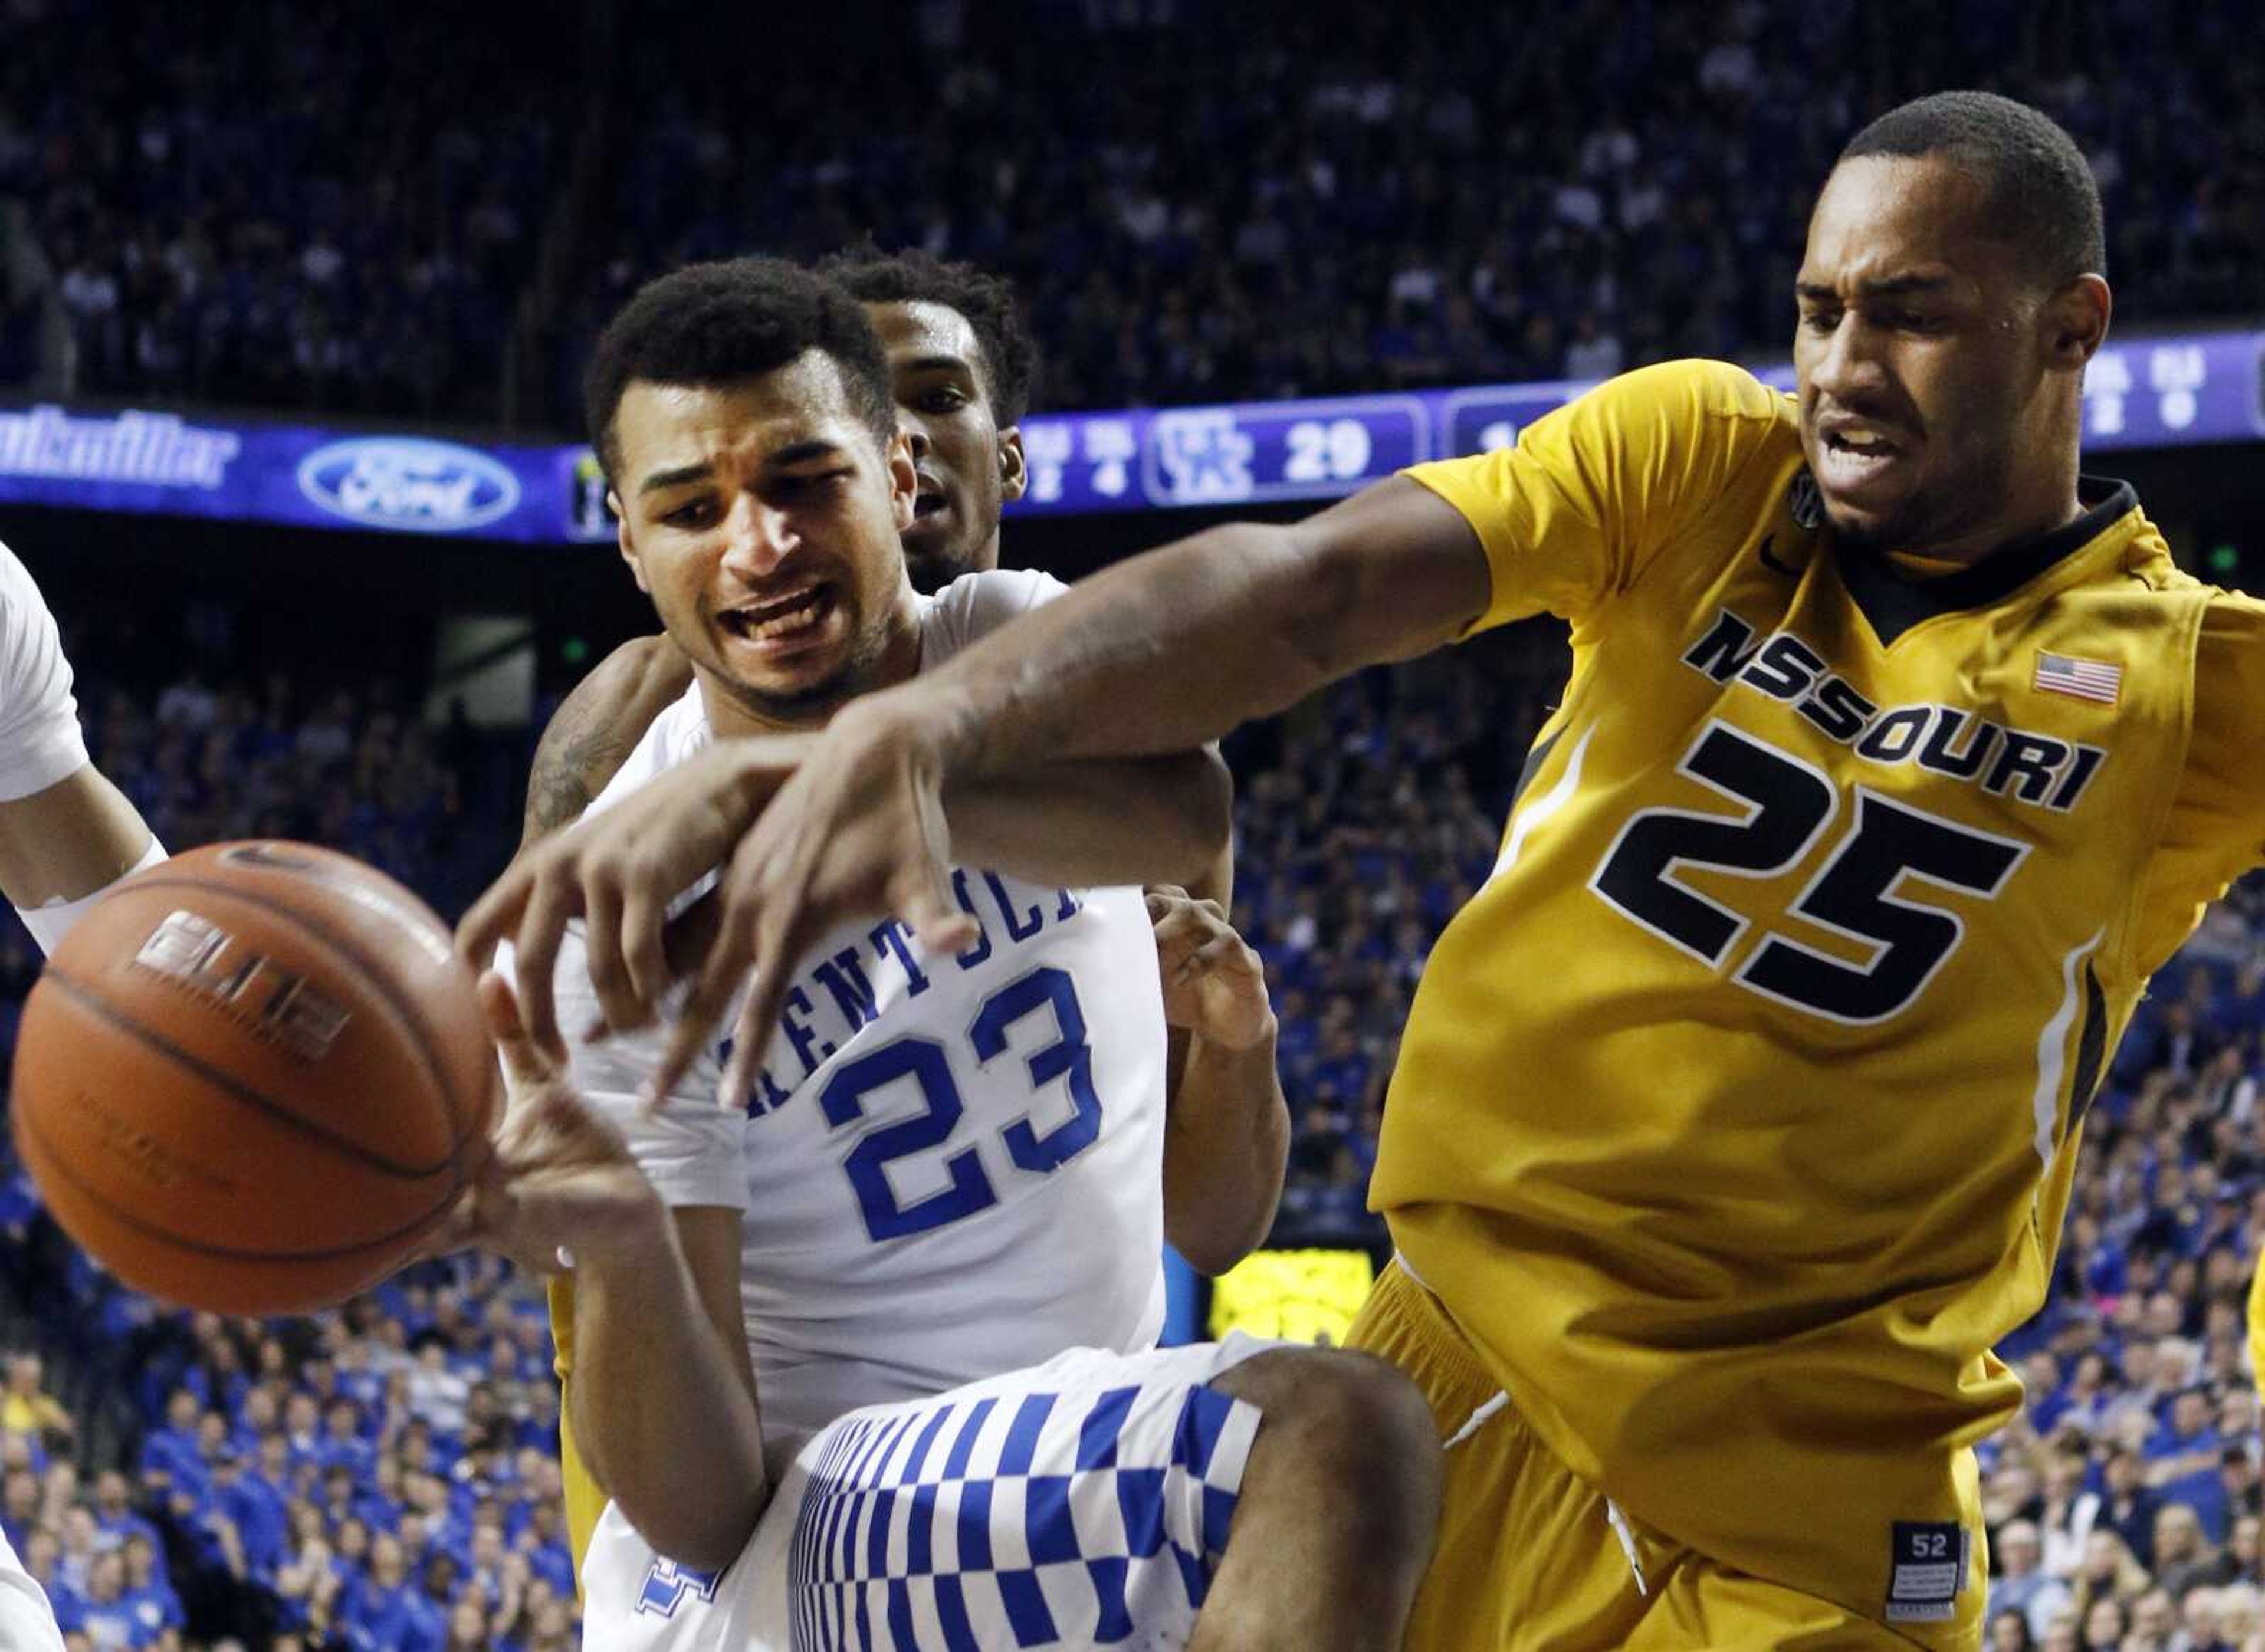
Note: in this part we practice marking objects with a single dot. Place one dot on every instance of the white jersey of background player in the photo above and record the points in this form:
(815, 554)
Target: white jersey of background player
(948, 1166)
(65, 834)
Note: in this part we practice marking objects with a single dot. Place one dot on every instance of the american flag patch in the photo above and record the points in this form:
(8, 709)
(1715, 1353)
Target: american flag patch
(2080, 678)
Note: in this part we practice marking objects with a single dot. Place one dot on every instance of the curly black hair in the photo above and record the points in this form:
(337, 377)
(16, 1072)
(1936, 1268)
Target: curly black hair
(709, 324)
(2041, 187)
(914, 276)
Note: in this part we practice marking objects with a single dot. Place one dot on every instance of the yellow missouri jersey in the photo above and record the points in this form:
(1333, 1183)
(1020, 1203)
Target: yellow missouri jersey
(1736, 1114)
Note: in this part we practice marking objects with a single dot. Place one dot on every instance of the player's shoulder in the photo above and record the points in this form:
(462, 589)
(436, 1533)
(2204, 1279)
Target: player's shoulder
(1695, 390)
(976, 603)
(678, 730)
(627, 687)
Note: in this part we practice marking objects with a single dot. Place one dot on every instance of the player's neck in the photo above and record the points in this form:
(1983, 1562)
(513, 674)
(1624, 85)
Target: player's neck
(2020, 525)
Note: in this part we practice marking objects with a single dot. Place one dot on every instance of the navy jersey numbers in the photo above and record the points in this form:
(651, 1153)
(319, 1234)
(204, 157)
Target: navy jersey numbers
(923, 1066)
(1784, 807)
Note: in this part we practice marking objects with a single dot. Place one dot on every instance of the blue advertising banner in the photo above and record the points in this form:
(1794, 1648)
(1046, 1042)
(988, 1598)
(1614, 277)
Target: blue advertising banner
(2140, 393)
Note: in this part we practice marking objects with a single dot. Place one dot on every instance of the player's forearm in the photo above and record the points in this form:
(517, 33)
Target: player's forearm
(67, 842)
(1226, 1145)
(1166, 650)
(1099, 821)
(660, 1410)
(1159, 653)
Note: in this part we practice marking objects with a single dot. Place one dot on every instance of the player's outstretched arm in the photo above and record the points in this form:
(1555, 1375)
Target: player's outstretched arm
(596, 729)
(666, 1422)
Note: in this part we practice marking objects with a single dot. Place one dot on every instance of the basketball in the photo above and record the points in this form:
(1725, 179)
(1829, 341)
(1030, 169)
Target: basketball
(253, 1078)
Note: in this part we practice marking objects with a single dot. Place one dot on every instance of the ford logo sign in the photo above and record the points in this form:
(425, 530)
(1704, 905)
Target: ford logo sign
(408, 484)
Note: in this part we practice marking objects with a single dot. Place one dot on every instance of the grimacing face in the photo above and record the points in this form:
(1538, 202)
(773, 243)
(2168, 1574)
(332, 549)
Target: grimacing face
(761, 517)
(1935, 372)
(967, 467)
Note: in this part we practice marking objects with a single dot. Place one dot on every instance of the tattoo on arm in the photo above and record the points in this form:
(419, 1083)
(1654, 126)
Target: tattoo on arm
(559, 786)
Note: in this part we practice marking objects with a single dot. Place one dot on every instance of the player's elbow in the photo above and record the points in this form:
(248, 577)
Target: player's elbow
(1199, 794)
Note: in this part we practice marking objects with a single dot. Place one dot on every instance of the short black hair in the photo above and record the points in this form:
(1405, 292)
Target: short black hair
(709, 324)
(916, 276)
(2040, 185)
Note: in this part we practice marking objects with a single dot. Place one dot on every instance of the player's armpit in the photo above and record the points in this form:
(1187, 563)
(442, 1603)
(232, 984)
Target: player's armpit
(68, 841)
(596, 727)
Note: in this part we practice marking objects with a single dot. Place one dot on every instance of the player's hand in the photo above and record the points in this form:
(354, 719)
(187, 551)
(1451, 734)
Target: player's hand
(857, 833)
(1214, 983)
(620, 872)
(559, 1177)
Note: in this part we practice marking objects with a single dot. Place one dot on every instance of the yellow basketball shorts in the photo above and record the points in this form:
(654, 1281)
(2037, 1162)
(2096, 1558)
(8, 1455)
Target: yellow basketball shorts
(1531, 1557)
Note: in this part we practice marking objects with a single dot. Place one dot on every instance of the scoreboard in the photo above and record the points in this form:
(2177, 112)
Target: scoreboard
(2164, 392)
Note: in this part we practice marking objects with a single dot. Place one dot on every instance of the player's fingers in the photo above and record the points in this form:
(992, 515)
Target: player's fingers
(493, 916)
(705, 1003)
(777, 943)
(601, 947)
(644, 953)
(522, 1059)
(921, 887)
(1222, 953)
(1163, 898)
(1184, 923)
(542, 927)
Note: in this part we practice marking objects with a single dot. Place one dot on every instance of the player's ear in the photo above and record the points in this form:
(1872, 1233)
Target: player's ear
(2076, 320)
(904, 480)
(1013, 474)
(622, 539)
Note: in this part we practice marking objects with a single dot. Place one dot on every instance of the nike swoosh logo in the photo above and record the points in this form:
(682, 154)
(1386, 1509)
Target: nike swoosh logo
(1773, 563)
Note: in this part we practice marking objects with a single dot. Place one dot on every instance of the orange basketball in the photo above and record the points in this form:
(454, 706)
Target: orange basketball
(253, 1078)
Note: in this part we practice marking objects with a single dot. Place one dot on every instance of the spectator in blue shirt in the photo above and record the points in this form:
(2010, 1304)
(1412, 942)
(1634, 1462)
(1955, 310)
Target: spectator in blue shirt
(105, 1616)
(387, 1613)
(114, 1514)
(255, 1506)
(172, 1452)
(343, 1445)
(155, 1604)
(2184, 1460)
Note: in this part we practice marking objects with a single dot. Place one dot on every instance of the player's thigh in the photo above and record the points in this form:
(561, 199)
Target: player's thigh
(1527, 1554)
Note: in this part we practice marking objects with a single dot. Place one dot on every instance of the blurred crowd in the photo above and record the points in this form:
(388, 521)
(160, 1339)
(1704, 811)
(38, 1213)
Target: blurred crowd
(259, 202)
(1199, 201)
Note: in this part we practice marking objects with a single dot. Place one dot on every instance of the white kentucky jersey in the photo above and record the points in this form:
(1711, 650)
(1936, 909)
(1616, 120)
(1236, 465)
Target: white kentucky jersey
(39, 738)
(949, 1166)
